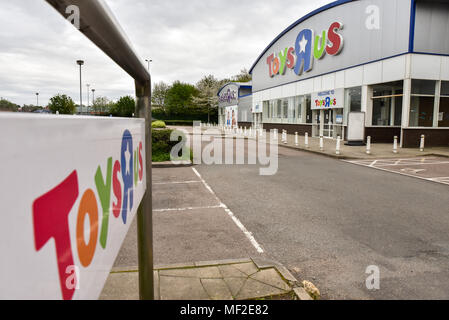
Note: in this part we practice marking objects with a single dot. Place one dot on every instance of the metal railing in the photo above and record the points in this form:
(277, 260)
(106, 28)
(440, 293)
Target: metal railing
(97, 23)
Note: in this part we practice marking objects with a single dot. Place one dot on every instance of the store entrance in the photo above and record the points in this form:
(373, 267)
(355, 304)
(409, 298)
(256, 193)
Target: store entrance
(328, 123)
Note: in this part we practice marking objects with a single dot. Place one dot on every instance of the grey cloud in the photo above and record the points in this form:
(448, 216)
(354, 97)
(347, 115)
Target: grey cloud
(185, 39)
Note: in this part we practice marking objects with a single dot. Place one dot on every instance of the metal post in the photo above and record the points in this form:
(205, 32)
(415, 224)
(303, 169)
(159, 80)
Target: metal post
(422, 144)
(321, 143)
(306, 137)
(80, 63)
(37, 96)
(145, 212)
(296, 139)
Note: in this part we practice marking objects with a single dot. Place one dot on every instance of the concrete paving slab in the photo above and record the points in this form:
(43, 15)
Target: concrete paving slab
(253, 289)
(174, 288)
(121, 286)
(247, 268)
(217, 289)
(235, 285)
(203, 273)
(228, 271)
(271, 277)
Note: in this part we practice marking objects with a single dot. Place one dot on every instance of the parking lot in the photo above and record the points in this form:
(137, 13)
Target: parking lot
(435, 169)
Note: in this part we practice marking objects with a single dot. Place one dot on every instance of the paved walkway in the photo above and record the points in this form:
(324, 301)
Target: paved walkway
(243, 279)
(378, 150)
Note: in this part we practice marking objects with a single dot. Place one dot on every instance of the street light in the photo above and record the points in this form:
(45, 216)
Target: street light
(88, 86)
(148, 61)
(93, 97)
(81, 63)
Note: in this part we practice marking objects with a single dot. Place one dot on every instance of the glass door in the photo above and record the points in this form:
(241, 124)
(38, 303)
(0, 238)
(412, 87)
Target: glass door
(328, 124)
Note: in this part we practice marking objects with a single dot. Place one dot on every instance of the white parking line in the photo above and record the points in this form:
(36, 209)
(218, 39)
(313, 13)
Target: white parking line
(239, 224)
(187, 208)
(177, 182)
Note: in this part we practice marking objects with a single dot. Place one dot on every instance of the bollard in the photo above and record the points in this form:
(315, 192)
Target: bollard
(368, 145)
(275, 134)
(307, 139)
(321, 143)
(422, 144)
(395, 145)
(246, 131)
(296, 139)
(337, 152)
(285, 137)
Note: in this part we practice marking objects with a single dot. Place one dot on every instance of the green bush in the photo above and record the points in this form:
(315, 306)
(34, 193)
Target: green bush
(158, 125)
(162, 145)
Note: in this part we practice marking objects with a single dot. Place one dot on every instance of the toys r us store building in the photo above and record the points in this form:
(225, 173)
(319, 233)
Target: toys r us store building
(387, 59)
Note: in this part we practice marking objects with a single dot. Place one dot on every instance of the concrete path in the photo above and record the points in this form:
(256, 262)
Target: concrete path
(241, 279)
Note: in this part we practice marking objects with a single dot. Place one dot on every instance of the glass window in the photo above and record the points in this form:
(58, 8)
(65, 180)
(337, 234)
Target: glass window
(308, 103)
(298, 105)
(398, 111)
(354, 99)
(279, 108)
(443, 115)
(423, 87)
(285, 108)
(387, 103)
(445, 88)
(421, 111)
(381, 111)
(272, 109)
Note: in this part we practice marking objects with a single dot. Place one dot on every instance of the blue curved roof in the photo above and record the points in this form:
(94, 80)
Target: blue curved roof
(311, 14)
(238, 84)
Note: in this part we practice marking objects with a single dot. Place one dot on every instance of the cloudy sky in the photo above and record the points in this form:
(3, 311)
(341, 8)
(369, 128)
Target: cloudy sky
(185, 39)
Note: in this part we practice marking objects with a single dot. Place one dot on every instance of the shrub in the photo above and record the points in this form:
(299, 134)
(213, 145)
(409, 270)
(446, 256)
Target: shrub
(158, 125)
(162, 145)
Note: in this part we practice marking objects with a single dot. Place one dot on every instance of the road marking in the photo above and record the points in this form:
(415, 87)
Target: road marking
(239, 224)
(187, 208)
(405, 172)
(177, 182)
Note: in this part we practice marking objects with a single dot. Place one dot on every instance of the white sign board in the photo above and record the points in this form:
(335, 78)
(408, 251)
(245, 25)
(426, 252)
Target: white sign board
(70, 188)
(356, 127)
(331, 99)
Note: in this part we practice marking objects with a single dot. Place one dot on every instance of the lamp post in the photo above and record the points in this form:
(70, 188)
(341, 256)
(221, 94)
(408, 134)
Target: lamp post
(81, 63)
(93, 96)
(88, 92)
(37, 97)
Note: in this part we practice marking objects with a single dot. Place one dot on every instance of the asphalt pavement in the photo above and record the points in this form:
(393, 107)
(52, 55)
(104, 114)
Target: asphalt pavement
(328, 220)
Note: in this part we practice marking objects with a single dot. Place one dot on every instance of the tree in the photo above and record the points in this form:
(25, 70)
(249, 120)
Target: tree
(62, 104)
(102, 105)
(179, 98)
(207, 94)
(159, 94)
(6, 105)
(124, 107)
(244, 76)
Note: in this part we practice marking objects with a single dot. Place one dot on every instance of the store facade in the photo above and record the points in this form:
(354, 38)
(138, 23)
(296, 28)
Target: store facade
(235, 105)
(387, 59)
